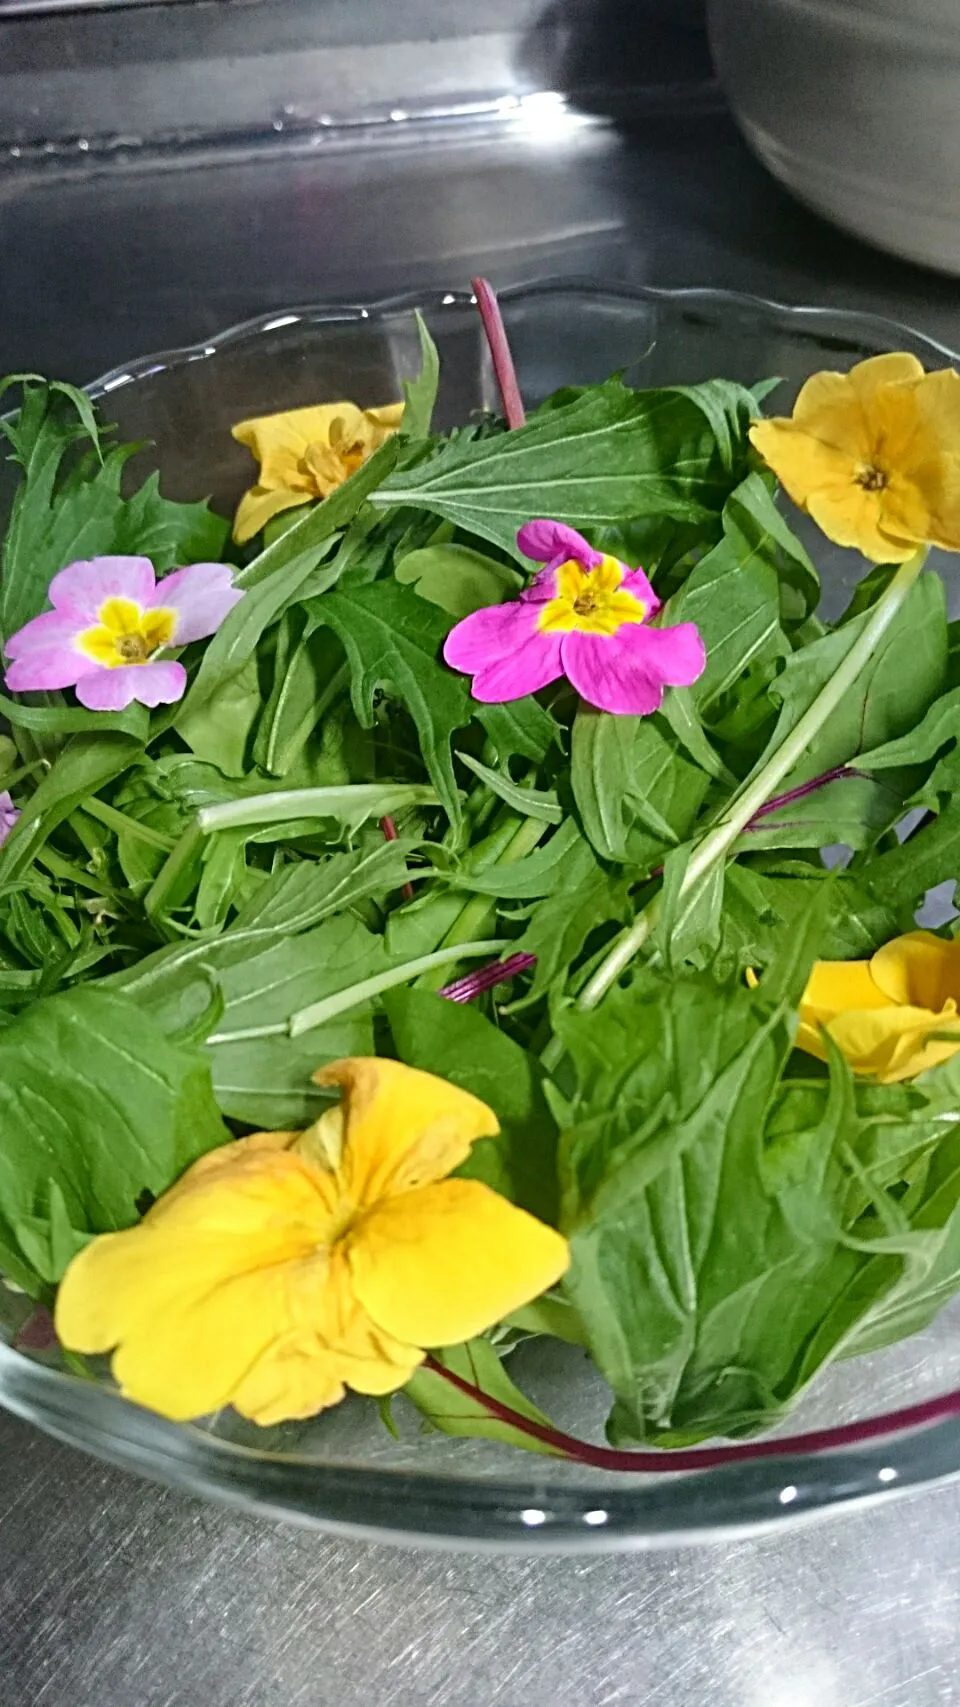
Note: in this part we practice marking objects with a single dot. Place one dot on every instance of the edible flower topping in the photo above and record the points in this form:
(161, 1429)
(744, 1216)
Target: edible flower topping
(885, 1015)
(873, 456)
(586, 616)
(8, 815)
(286, 1267)
(110, 620)
(306, 454)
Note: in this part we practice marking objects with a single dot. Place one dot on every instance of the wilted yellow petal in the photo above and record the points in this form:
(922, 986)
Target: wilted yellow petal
(306, 454)
(403, 1128)
(259, 506)
(441, 1264)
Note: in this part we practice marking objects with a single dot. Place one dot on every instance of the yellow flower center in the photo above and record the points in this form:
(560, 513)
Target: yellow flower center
(872, 478)
(591, 601)
(126, 634)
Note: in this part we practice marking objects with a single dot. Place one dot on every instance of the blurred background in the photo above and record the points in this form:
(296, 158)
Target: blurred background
(168, 167)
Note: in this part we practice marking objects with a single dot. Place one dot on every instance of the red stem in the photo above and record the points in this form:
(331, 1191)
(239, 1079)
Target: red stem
(709, 1457)
(389, 829)
(496, 335)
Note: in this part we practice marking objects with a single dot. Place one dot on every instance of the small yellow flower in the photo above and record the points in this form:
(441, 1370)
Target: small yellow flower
(873, 456)
(881, 1013)
(285, 1267)
(306, 454)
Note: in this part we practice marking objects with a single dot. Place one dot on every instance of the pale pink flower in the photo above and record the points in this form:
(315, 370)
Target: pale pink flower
(110, 620)
(8, 815)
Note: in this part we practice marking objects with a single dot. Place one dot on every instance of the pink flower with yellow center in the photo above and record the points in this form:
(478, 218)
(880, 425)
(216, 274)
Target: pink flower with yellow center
(585, 616)
(110, 620)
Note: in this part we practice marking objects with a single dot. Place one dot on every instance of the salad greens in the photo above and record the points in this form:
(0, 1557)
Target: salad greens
(198, 907)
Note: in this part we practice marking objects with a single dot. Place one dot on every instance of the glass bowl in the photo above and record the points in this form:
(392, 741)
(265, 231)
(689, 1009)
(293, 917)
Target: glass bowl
(343, 1471)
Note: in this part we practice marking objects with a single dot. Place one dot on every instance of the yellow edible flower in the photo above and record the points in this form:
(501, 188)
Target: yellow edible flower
(883, 1013)
(306, 454)
(285, 1267)
(873, 456)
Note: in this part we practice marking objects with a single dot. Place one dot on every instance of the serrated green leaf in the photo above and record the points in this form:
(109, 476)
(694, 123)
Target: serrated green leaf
(392, 640)
(139, 1111)
(608, 455)
(421, 393)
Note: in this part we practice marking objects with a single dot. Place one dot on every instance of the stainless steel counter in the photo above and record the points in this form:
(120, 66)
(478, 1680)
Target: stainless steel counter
(116, 1594)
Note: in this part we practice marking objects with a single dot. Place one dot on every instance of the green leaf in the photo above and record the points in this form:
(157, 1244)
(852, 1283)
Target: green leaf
(73, 720)
(558, 930)
(421, 393)
(904, 676)
(265, 1080)
(392, 640)
(564, 859)
(853, 810)
(138, 1112)
(453, 1412)
(689, 926)
(170, 534)
(731, 1230)
(298, 896)
(458, 1043)
(940, 725)
(85, 765)
(679, 711)
(733, 597)
(627, 772)
(68, 505)
(609, 455)
(521, 728)
(457, 579)
(532, 802)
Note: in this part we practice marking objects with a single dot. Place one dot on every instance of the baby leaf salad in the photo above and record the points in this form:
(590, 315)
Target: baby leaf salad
(415, 930)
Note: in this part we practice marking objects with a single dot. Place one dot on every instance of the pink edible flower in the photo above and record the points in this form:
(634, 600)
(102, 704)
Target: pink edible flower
(110, 619)
(585, 616)
(8, 815)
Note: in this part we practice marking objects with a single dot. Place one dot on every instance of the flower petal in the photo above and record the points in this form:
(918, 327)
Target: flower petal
(201, 596)
(80, 589)
(853, 517)
(259, 506)
(635, 581)
(920, 969)
(801, 462)
(441, 1264)
(626, 673)
(223, 1267)
(402, 1128)
(44, 655)
(113, 690)
(505, 652)
(890, 1043)
(279, 441)
(553, 542)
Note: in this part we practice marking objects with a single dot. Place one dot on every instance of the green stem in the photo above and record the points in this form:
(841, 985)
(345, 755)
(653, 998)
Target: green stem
(126, 826)
(307, 1019)
(718, 842)
(479, 913)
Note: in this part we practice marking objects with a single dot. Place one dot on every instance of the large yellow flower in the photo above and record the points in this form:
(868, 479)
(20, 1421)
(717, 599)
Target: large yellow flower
(306, 454)
(285, 1267)
(883, 1013)
(873, 456)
